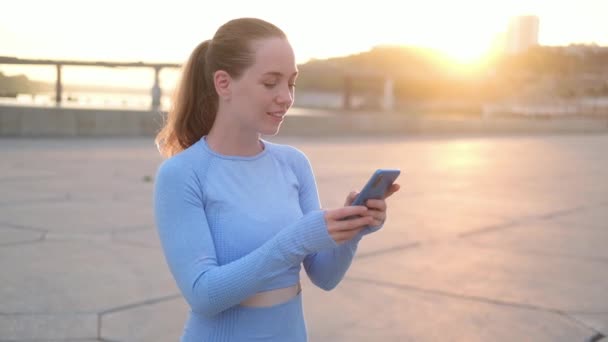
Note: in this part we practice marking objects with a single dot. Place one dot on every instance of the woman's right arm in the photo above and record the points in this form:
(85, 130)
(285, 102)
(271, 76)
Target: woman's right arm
(190, 253)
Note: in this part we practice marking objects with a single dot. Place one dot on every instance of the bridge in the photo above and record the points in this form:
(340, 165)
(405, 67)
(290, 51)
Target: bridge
(156, 91)
(387, 100)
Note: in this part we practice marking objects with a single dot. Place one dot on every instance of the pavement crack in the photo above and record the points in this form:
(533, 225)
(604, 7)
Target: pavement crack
(53, 199)
(389, 250)
(597, 334)
(489, 229)
(128, 307)
(21, 227)
(457, 295)
(138, 304)
(514, 223)
(26, 178)
(540, 252)
(563, 212)
(25, 242)
(575, 312)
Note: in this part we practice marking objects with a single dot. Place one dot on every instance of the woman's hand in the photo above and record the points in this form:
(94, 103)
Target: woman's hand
(377, 207)
(344, 223)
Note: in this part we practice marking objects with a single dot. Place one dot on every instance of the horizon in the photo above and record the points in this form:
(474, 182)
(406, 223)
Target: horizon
(175, 71)
(466, 31)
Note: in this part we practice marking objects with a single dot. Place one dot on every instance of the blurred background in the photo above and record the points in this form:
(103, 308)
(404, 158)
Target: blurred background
(495, 111)
(467, 57)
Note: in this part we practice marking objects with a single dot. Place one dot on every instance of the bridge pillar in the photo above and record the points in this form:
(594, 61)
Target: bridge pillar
(156, 91)
(388, 101)
(347, 94)
(58, 86)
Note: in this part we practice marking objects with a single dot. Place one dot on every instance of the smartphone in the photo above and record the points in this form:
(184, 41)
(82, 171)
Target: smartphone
(377, 185)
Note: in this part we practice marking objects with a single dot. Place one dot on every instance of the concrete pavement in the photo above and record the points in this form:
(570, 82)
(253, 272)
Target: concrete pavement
(491, 238)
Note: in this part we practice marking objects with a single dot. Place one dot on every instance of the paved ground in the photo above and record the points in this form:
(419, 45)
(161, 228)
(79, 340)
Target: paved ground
(491, 239)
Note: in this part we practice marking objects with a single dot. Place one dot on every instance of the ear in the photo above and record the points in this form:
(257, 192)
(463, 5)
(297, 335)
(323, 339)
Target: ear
(221, 81)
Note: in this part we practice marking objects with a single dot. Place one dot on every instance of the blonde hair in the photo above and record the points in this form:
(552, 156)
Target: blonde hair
(195, 101)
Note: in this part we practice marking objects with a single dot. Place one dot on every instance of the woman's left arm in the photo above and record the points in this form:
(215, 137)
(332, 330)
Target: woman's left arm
(327, 268)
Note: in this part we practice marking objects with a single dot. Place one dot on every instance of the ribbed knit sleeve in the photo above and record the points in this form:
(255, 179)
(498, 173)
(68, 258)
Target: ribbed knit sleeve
(190, 252)
(324, 268)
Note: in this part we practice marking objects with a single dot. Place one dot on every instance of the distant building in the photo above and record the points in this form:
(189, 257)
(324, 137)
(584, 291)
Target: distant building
(522, 34)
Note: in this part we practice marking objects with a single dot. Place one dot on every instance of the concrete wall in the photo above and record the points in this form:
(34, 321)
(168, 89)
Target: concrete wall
(58, 122)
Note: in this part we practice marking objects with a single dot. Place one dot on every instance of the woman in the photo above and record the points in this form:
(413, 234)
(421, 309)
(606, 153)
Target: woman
(238, 215)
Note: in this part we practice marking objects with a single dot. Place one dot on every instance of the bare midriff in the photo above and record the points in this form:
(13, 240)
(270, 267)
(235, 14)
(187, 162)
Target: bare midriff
(272, 297)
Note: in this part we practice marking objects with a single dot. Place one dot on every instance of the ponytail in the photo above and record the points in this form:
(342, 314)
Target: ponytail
(195, 102)
(194, 106)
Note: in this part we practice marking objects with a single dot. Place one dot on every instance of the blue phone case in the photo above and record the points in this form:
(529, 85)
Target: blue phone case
(377, 185)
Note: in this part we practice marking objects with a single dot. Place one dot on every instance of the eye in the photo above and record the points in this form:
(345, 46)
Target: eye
(270, 85)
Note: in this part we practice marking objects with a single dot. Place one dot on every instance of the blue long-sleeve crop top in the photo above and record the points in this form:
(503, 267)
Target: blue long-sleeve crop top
(232, 226)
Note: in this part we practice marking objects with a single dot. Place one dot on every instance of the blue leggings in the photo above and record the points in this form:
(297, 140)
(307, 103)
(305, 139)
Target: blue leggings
(281, 322)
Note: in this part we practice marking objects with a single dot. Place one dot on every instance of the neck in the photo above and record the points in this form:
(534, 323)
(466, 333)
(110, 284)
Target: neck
(233, 140)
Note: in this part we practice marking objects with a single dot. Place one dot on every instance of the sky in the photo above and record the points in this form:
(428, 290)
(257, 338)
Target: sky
(167, 31)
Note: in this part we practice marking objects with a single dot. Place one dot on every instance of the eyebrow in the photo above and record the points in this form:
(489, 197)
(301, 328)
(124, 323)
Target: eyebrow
(279, 74)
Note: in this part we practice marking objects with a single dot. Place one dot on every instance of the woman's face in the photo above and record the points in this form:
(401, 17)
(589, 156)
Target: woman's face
(262, 95)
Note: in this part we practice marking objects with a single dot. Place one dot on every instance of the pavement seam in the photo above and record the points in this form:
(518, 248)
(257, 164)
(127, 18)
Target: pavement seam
(35, 201)
(491, 228)
(25, 242)
(99, 316)
(129, 307)
(473, 298)
(538, 252)
(4, 224)
(46, 235)
(138, 304)
(456, 295)
(563, 212)
(575, 312)
(524, 220)
(597, 335)
(41, 237)
(28, 178)
(389, 250)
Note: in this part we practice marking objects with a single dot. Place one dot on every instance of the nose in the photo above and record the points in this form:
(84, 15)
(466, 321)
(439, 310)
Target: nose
(285, 96)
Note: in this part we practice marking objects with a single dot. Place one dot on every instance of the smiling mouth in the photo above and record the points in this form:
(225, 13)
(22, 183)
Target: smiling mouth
(279, 115)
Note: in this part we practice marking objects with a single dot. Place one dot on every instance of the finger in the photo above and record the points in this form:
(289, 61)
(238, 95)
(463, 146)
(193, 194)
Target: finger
(350, 198)
(346, 235)
(376, 204)
(352, 224)
(378, 216)
(392, 189)
(341, 213)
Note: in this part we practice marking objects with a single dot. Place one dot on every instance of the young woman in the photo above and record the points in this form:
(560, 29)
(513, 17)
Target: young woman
(238, 215)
